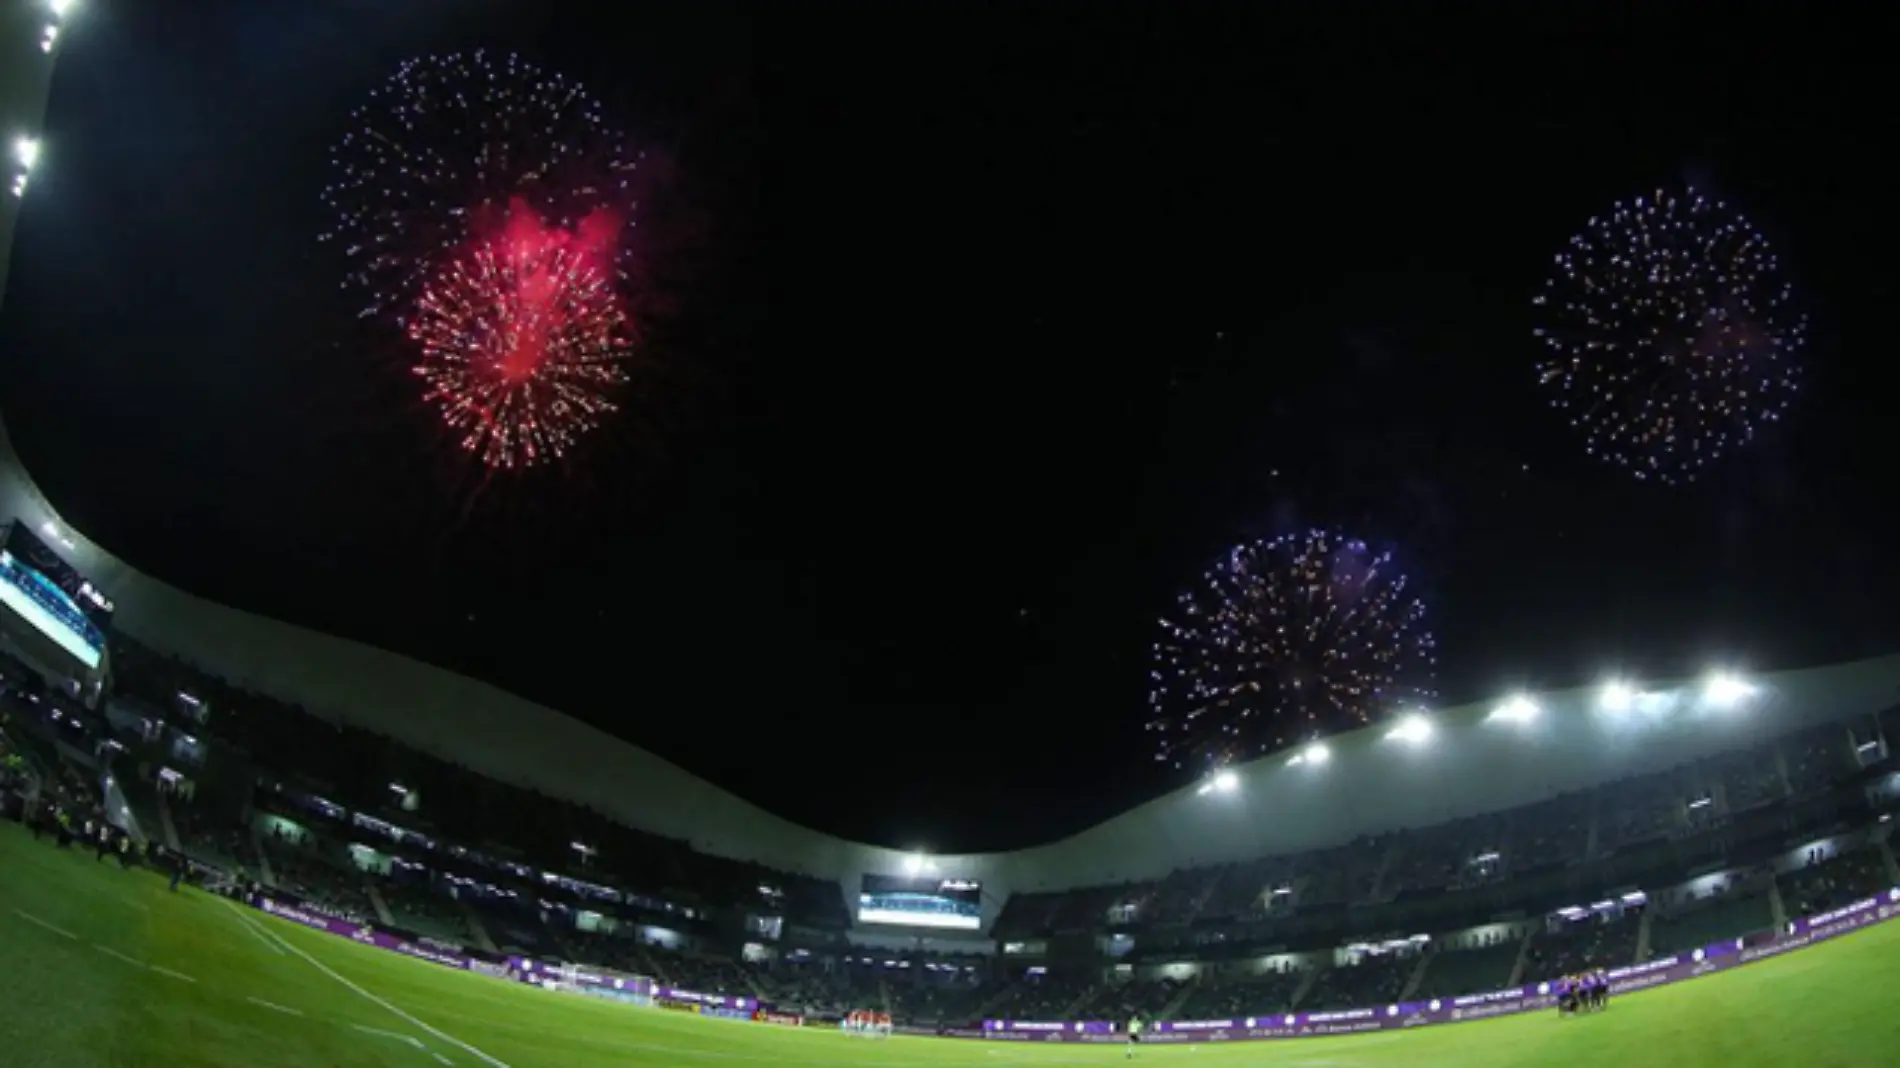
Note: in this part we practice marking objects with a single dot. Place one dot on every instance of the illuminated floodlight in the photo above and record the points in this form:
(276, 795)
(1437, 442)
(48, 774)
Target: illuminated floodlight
(1415, 728)
(1226, 782)
(917, 864)
(59, 8)
(1618, 696)
(27, 151)
(1317, 753)
(1724, 690)
(1516, 709)
(48, 39)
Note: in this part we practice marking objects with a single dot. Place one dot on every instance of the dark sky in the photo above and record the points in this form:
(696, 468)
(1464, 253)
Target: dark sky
(976, 335)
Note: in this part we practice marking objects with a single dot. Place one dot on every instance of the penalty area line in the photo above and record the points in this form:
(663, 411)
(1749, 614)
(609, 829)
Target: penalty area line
(440, 1034)
(274, 1007)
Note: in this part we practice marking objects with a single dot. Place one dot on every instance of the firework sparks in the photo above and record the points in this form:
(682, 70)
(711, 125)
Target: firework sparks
(524, 339)
(448, 142)
(1670, 335)
(1285, 638)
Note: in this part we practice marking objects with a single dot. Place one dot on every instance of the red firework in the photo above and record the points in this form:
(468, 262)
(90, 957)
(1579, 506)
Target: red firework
(524, 338)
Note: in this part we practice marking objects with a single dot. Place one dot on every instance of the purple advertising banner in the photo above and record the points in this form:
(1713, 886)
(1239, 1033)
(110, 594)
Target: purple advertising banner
(715, 1001)
(371, 936)
(1672, 969)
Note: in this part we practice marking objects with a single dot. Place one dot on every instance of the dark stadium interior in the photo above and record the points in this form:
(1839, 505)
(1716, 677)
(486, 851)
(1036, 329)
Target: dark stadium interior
(965, 367)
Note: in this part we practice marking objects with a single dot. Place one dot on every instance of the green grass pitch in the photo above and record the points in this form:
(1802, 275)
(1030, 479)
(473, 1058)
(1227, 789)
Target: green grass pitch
(103, 967)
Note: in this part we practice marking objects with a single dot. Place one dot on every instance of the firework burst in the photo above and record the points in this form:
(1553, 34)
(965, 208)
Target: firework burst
(1284, 638)
(448, 142)
(1670, 334)
(524, 339)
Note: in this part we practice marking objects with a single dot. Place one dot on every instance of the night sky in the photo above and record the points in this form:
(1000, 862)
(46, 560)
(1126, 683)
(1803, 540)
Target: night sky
(974, 337)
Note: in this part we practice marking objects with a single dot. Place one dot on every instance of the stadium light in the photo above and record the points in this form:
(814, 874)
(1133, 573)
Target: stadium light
(1226, 782)
(59, 8)
(917, 864)
(1415, 728)
(27, 151)
(1516, 709)
(1723, 690)
(1317, 753)
(1617, 696)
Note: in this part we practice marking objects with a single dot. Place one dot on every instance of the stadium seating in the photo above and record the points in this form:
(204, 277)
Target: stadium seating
(1455, 972)
(451, 841)
(1223, 996)
(1734, 914)
(1373, 980)
(1042, 997)
(1834, 881)
(1583, 945)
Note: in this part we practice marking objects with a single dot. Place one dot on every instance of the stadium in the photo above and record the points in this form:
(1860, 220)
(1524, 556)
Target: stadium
(322, 853)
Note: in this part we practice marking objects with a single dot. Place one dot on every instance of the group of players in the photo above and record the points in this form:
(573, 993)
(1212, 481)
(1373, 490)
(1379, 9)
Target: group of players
(869, 1024)
(1583, 992)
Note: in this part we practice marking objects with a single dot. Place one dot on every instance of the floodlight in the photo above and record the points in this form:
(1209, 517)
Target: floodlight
(1618, 696)
(27, 151)
(1227, 782)
(916, 864)
(1317, 754)
(1415, 727)
(1516, 709)
(1724, 690)
(59, 8)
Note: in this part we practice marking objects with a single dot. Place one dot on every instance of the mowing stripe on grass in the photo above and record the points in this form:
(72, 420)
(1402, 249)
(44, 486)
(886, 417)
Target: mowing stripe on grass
(274, 1007)
(364, 994)
(37, 922)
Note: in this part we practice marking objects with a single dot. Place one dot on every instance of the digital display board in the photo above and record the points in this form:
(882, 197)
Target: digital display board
(52, 598)
(921, 901)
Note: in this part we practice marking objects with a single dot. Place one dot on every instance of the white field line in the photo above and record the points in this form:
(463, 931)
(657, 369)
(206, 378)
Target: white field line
(380, 1033)
(180, 976)
(110, 952)
(137, 963)
(444, 1036)
(274, 1007)
(257, 933)
(37, 922)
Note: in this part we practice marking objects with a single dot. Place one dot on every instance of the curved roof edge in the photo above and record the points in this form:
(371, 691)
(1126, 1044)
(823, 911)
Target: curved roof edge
(1371, 784)
(470, 723)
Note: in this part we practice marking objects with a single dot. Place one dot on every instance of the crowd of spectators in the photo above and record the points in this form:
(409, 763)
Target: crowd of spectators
(1828, 882)
(1043, 996)
(1596, 940)
(1226, 995)
(1470, 969)
(1374, 979)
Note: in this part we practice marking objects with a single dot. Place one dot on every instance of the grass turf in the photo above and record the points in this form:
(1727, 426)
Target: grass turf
(101, 967)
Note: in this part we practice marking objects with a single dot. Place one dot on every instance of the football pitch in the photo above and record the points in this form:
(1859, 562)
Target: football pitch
(104, 967)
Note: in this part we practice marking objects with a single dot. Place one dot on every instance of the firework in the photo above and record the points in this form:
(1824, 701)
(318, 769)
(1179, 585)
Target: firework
(445, 144)
(523, 339)
(1670, 335)
(1282, 639)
